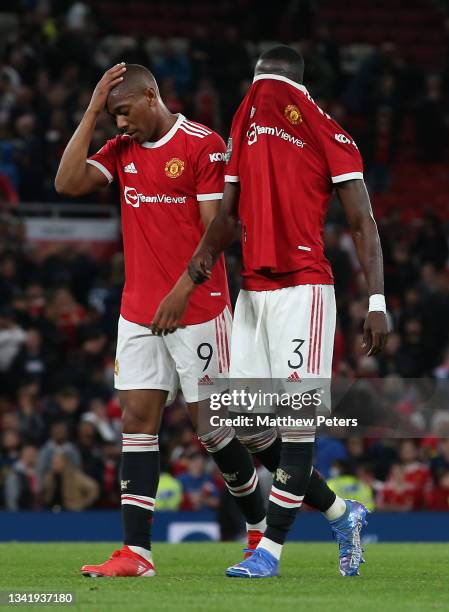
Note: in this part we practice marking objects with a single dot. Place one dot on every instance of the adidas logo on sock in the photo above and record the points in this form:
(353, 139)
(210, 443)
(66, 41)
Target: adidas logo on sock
(294, 377)
(130, 168)
(206, 380)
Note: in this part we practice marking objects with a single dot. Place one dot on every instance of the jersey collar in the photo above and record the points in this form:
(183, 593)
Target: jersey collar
(168, 136)
(279, 77)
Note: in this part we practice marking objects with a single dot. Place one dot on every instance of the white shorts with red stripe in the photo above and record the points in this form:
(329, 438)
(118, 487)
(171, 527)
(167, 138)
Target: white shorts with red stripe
(195, 358)
(285, 334)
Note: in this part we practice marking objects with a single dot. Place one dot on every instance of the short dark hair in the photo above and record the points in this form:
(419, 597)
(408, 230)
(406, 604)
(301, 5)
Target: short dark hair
(292, 58)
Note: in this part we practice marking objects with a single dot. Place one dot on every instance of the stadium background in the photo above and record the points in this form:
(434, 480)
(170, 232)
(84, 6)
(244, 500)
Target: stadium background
(380, 71)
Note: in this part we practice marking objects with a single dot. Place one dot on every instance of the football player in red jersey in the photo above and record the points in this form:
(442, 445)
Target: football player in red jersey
(170, 172)
(285, 158)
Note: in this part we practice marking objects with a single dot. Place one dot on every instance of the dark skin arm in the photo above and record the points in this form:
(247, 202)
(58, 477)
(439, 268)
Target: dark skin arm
(219, 223)
(75, 177)
(355, 201)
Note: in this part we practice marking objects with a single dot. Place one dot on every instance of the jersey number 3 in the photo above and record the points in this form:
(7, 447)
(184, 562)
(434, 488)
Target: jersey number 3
(292, 364)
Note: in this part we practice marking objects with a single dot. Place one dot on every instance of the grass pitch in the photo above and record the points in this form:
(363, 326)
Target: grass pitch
(190, 578)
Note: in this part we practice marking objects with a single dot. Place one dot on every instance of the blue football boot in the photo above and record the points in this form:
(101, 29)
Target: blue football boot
(261, 564)
(346, 531)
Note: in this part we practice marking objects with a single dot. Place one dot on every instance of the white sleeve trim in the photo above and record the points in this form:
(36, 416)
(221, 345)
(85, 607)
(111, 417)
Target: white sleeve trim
(231, 179)
(102, 169)
(202, 197)
(347, 177)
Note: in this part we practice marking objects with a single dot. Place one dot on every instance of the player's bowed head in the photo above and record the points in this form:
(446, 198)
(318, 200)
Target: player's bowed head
(281, 60)
(137, 106)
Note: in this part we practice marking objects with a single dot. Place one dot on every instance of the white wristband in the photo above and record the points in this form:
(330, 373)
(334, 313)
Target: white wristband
(377, 303)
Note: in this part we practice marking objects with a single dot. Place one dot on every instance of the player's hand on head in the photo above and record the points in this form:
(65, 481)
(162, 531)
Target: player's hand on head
(375, 332)
(110, 79)
(169, 313)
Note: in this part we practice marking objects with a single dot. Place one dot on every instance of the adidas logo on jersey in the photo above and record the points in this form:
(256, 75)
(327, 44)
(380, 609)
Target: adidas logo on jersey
(294, 377)
(206, 380)
(130, 168)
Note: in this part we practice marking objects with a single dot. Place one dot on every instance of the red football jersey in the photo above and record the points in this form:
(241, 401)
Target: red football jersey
(161, 184)
(287, 154)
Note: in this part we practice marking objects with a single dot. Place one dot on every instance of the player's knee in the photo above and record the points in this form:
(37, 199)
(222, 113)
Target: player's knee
(214, 441)
(259, 441)
(139, 418)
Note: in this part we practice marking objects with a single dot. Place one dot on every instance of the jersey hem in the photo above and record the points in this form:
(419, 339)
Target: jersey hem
(231, 179)
(272, 285)
(142, 320)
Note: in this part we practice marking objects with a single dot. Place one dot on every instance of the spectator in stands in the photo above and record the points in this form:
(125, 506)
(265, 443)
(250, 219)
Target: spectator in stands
(8, 194)
(398, 495)
(328, 450)
(66, 313)
(174, 63)
(29, 159)
(57, 443)
(437, 498)
(199, 489)
(12, 338)
(440, 463)
(91, 456)
(21, 484)
(169, 492)
(110, 492)
(66, 487)
(415, 471)
(31, 423)
(10, 445)
(31, 362)
(97, 415)
(413, 355)
(64, 407)
(346, 484)
(431, 121)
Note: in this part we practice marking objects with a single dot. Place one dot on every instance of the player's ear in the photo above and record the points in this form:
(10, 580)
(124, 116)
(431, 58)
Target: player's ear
(151, 96)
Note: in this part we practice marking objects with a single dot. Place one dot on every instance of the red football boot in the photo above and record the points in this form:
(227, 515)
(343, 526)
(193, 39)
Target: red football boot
(254, 537)
(124, 562)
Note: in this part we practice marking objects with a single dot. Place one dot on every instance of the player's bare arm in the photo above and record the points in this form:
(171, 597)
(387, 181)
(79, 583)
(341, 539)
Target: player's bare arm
(75, 177)
(220, 235)
(172, 307)
(355, 200)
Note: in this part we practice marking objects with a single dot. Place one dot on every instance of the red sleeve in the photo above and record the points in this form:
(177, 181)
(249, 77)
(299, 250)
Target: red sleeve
(105, 159)
(341, 152)
(209, 168)
(234, 144)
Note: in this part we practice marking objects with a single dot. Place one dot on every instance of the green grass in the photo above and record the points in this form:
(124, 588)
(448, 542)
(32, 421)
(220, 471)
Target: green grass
(190, 578)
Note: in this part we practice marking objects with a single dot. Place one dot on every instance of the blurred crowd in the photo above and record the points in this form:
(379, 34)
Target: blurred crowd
(59, 414)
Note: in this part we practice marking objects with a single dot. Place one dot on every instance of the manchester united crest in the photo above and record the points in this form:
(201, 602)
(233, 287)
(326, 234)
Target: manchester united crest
(293, 114)
(174, 168)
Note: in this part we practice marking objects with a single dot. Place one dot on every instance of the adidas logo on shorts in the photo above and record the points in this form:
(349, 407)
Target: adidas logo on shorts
(294, 377)
(206, 380)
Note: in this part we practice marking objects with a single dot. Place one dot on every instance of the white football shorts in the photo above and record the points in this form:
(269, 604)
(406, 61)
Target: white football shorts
(195, 358)
(284, 334)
